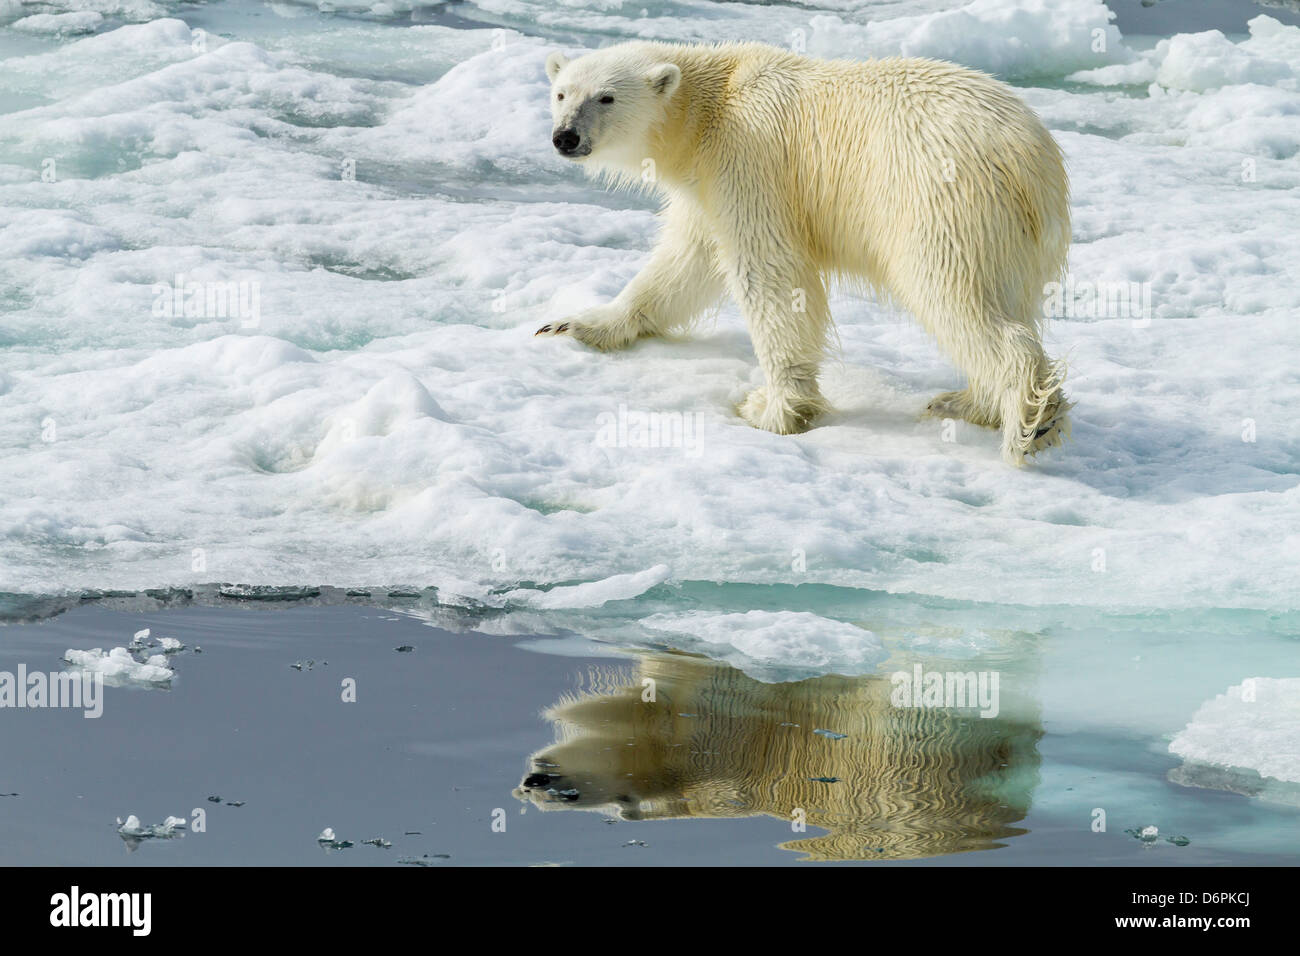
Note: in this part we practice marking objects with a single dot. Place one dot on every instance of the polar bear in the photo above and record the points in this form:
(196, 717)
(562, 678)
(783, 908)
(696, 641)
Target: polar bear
(926, 182)
(710, 742)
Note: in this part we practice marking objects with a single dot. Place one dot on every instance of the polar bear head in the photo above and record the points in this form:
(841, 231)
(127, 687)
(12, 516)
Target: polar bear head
(604, 105)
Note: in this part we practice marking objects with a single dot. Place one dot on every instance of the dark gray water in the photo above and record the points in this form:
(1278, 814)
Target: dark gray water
(440, 737)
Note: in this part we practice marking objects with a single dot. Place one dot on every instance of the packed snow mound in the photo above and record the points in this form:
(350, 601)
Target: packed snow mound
(1206, 61)
(15, 11)
(1013, 38)
(1021, 39)
(60, 24)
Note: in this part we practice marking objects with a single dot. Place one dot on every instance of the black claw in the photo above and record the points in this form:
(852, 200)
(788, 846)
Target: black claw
(544, 328)
(562, 328)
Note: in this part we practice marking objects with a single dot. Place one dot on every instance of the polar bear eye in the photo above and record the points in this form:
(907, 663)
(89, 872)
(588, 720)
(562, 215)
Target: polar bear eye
(559, 96)
(607, 99)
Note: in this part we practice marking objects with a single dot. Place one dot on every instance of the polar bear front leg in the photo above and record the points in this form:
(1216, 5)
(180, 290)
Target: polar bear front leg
(786, 311)
(679, 282)
(605, 327)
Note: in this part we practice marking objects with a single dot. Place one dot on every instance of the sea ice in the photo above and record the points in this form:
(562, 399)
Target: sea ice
(385, 417)
(1254, 725)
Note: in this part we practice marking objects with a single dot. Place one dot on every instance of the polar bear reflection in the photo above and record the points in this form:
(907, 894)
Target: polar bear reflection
(715, 743)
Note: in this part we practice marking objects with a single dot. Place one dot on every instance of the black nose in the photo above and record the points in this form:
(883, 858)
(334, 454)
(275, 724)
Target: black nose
(566, 140)
(537, 780)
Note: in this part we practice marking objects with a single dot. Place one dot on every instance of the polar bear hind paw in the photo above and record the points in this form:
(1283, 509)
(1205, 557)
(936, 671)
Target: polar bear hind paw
(1048, 435)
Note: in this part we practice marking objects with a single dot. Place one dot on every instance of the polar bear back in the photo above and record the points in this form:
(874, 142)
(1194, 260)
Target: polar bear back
(903, 171)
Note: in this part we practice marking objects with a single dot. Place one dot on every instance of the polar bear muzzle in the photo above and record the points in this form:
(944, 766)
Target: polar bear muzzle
(568, 142)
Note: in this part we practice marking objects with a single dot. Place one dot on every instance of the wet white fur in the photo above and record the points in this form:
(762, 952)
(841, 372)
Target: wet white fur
(928, 182)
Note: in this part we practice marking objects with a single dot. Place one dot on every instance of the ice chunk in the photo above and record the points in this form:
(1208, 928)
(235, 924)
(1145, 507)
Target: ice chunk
(619, 587)
(120, 668)
(1254, 725)
(328, 841)
(133, 833)
(777, 645)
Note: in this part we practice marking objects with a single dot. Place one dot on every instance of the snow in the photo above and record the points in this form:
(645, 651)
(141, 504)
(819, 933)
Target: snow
(17, 10)
(1026, 39)
(386, 196)
(84, 21)
(1211, 61)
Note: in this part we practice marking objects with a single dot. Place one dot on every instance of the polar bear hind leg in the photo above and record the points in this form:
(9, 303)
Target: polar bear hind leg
(1013, 385)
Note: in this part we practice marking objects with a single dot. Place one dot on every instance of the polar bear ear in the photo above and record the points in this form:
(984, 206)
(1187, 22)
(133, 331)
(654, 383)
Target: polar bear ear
(664, 78)
(554, 64)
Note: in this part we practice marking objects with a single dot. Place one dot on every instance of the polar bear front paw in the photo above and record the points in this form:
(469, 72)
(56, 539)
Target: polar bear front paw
(785, 413)
(595, 329)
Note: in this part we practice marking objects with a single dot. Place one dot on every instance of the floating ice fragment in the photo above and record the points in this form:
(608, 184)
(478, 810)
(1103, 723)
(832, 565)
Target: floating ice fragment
(1147, 834)
(774, 646)
(133, 833)
(618, 587)
(265, 592)
(1252, 726)
(831, 734)
(120, 668)
(328, 841)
